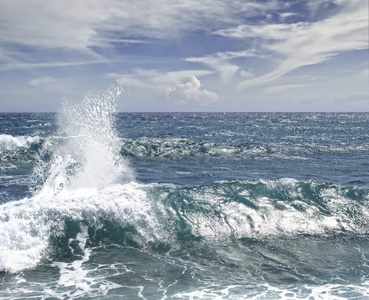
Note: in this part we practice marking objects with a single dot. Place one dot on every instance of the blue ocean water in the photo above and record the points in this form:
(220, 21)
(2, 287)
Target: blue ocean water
(96, 204)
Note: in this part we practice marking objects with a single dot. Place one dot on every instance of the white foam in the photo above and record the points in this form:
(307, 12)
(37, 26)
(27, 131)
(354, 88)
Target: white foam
(23, 236)
(72, 274)
(86, 179)
(212, 291)
(27, 225)
(9, 142)
(324, 292)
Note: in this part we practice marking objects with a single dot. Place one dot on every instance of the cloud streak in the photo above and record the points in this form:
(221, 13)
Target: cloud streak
(41, 81)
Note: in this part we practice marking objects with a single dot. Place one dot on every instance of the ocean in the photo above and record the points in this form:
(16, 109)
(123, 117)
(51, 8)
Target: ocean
(96, 204)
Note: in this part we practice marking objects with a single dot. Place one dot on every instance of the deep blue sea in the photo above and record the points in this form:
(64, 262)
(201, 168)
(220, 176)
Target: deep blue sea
(96, 204)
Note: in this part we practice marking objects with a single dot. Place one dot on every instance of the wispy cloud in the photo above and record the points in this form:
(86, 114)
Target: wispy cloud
(41, 81)
(285, 15)
(221, 62)
(83, 24)
(305, 43)
(90, 26)
(282, 88)
(23, 65)
(155, 46)
(56, 85)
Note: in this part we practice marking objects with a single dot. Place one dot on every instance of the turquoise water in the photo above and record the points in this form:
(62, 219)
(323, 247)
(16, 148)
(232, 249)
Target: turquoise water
(103, 205)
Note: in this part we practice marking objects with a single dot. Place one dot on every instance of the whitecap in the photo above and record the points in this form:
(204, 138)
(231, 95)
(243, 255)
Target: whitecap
(9, 142)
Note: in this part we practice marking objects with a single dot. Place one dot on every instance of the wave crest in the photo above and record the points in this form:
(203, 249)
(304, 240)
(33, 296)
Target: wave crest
(9, 142)
(264, 208)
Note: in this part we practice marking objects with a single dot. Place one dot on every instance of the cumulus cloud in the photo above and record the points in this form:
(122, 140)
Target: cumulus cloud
(191, 92)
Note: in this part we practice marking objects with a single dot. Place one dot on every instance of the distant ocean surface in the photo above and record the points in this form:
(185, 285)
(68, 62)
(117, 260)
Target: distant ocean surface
(96, 204)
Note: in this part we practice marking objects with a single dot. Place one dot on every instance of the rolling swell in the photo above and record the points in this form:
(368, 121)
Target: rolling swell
(225, 212)
(262, 208)
(178, 148)
(241, 141)
(165, 217)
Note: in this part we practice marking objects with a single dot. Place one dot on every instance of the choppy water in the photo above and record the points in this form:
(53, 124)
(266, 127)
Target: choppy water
(100, 205)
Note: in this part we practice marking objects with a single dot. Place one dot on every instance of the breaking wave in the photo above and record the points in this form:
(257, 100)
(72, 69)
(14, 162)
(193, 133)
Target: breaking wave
(170, 217)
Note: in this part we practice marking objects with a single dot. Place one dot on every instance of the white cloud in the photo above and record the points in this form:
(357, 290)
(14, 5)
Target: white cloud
(154, 80)
(286, 15)
(191, 92)
(152, 84)
(175, 77)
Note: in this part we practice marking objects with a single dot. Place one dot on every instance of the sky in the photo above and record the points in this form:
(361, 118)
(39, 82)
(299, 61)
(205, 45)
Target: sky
(186, 55)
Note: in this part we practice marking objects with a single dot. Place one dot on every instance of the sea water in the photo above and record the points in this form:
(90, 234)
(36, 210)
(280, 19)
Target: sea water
(96, 204)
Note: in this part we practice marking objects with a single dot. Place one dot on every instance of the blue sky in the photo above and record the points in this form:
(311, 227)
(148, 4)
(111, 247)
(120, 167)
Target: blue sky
(210, 55)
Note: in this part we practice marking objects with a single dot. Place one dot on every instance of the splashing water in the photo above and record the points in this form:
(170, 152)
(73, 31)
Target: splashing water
(88, 154)
(85, 180)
